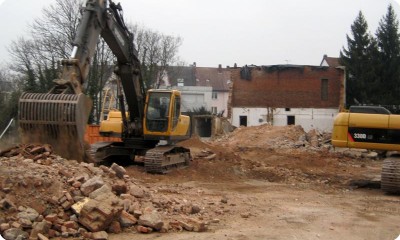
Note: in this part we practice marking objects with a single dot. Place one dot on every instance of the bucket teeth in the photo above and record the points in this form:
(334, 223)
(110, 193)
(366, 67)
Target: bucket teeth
(56, 119)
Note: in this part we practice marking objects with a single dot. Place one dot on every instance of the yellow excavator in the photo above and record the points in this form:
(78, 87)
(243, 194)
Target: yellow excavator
(60, 116)
(375, 128)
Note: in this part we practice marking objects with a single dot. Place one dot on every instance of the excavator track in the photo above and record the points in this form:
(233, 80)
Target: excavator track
(161, 159)
(390, 177)
(94, 154)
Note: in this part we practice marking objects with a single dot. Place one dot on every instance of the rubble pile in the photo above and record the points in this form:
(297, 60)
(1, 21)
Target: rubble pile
(277, 137)
(286, 154)
(43, 196)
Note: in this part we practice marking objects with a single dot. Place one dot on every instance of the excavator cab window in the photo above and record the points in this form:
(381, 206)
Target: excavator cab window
(157, 116)
(176, 112)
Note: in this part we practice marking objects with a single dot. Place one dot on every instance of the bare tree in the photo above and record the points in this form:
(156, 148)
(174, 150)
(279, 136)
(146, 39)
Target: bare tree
(52, 34)
(21, 52)
(50, 41)
(156, 51)
(9, 95)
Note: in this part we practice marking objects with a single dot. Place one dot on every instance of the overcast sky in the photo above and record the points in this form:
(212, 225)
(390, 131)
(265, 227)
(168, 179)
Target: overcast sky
(261, 32)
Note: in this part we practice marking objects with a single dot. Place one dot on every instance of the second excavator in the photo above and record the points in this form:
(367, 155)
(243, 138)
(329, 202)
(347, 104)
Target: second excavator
(60, 116)
(375, 128)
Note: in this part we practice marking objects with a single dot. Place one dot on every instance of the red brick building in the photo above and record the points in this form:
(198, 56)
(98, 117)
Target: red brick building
(309, 96)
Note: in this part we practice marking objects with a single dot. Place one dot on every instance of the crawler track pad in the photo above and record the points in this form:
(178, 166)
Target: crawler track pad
(161, 159)
(57, 119)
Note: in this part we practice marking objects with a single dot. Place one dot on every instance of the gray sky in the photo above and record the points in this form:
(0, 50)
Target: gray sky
(260, 32)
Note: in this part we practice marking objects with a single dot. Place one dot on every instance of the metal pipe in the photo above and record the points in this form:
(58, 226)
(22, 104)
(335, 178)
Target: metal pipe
(5, 130)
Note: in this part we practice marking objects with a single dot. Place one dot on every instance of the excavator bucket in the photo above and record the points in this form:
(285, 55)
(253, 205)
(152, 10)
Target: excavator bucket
(57, 119)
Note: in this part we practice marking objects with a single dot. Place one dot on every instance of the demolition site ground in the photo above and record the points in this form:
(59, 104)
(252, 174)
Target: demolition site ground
(260, 182)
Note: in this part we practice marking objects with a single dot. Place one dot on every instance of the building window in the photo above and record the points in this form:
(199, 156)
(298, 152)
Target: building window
(287, 109)
(181, 82)
(214, 110)
(243, 121)
(214, 95)
(291, 120)
(324, 89)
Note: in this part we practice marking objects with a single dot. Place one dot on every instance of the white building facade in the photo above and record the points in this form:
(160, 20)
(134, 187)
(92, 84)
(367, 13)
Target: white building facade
(194, 97)
(308, 118)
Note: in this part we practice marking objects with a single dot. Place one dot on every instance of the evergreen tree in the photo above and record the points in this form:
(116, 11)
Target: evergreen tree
(357, 59)
(388, 41)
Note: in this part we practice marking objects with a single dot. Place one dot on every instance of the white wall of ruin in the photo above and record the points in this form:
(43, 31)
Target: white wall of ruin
(308, 118)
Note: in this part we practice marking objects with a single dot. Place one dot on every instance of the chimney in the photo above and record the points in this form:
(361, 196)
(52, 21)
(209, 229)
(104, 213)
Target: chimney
(220, 68)
(194, 64)
(235, 65)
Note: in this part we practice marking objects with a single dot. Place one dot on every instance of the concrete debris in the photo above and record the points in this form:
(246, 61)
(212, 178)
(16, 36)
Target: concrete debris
(152, 219)
(76, 208)
(283, 138)
(136, 191)
(115, 227)
(191, 209)
(29, 214)
(4, 226)
(42, 227)
(42, 237)
(29, 151)
(103, 191)
(191, 224)
(6, 204)
(127, 220)
(91, 185)
(101, 235)
(80, 200)
(98, 215)
(142, 229)
(119, 171)
(15, 233)
(120, 187)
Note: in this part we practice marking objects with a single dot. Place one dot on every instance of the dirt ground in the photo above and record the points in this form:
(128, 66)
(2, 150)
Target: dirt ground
(272, 183)
(275, 191)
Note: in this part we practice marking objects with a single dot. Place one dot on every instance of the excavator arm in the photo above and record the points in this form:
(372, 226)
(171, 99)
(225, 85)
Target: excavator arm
(120, 40)
(60, 116)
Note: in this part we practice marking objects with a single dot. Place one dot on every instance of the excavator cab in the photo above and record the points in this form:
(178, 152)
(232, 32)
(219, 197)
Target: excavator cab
(163, 119)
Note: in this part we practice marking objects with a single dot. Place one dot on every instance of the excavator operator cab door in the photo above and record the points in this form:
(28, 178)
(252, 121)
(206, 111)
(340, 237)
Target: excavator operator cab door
(163, 119)
(158, 111)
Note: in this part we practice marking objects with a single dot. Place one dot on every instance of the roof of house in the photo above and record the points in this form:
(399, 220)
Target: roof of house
(330, 61)
(218, 78)
(181, 72)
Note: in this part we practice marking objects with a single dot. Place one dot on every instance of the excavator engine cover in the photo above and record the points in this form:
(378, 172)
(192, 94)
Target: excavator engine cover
(56, 119)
